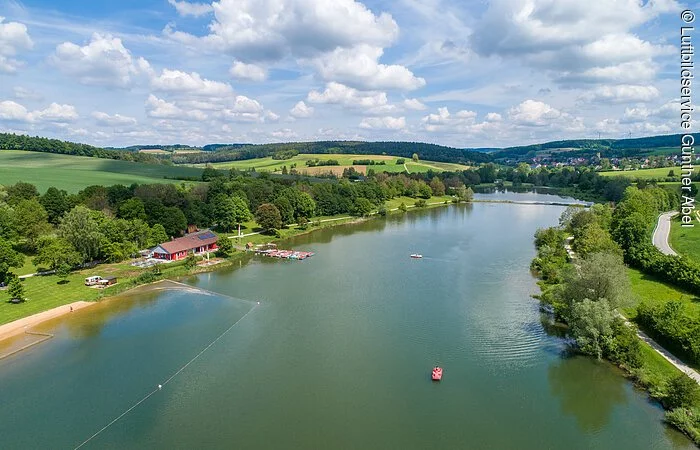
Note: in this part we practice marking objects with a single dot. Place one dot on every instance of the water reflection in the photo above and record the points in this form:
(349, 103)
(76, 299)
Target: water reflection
(573, 379)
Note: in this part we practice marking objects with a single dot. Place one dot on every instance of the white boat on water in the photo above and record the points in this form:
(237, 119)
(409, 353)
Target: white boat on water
(416, 256)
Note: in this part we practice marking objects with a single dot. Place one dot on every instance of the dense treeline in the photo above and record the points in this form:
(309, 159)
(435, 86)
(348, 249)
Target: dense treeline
(607, 147)
(113, 223)
(9, 141)
(430, 152)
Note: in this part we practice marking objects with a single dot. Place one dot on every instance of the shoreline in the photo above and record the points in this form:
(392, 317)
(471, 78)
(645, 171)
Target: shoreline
(19, 326)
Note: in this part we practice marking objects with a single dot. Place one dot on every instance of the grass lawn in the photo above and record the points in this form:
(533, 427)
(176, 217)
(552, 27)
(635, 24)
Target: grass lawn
(648, 289)
(74, 173)
(643, 174)
(685, 241)
(274, 165)
(27, 268)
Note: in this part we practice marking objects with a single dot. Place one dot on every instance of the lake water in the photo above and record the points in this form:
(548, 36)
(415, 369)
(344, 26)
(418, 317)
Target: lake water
(336, 356)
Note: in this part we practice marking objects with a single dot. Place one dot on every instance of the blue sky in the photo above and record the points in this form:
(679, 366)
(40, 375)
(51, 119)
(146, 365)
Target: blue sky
(467, 74)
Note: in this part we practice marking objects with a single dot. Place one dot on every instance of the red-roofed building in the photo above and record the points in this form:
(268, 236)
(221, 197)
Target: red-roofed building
(200, 242)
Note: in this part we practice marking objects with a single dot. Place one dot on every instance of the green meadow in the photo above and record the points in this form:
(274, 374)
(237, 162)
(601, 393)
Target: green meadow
(643, 174)
(74, 173)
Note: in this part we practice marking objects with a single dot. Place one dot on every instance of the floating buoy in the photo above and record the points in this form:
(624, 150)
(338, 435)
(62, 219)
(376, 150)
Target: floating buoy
(258, 303)
(160, 386)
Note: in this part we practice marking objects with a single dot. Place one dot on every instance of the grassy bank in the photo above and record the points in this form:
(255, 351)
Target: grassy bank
(685, 241)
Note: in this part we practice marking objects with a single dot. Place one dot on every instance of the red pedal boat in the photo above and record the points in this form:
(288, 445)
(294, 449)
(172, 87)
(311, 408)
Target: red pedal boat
(437, 373)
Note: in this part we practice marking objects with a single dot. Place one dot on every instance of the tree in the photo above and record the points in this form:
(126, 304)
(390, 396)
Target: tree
(600, 276)
(57, 254)
(268, 217)
(285, 208)
(463, 193)
(593, 239)
(683, 392)
(132, 209)
(229, 211)
(9, 258)
(225, 247)
(21, 191)
(424, 190)
(157, 235)
(173, 220)
(437, 186)
(31, 220)
(16, 289)
(590, 323)
(363, 207)
(415, 157)
(191, 261)
(403, 207)
(81, 229)
(55, 203)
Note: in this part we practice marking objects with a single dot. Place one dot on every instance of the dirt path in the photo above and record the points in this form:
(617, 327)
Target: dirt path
(19, 326)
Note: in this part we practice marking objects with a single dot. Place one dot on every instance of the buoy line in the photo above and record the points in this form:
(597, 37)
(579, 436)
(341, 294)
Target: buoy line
(161, 385)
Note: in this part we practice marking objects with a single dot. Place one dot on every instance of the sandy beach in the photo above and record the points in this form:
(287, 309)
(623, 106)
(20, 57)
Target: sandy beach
(18, 326)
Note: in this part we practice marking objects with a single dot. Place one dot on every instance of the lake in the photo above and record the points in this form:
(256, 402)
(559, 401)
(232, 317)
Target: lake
(337, 355)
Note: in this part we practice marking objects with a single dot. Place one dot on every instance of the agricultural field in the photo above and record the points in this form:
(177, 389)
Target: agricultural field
(275, 165)
(686, 241)
(644, 174)
(74, 173)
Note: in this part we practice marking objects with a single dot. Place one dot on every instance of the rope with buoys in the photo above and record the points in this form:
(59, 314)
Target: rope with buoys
(160, 386)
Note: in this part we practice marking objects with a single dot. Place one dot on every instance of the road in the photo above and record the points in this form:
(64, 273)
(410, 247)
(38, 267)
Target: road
(661, 232)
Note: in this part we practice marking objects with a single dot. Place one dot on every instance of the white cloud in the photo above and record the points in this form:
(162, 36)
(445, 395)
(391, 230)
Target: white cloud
(336, 93)
(493, 117)
(55, 112)
(191, 9)
(161, 109)
(115, 120)
(257, 30)
(578, 42)
(104, 61)
(620, 94)
(533, 113)
(383, 123)
(301, 110)
(13, 111)
(414, 104)
(178, 82)
(358, 66)
(13, 38)
(250, 72)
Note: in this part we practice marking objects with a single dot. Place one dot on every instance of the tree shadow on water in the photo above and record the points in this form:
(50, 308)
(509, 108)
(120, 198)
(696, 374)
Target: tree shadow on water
(587, 389)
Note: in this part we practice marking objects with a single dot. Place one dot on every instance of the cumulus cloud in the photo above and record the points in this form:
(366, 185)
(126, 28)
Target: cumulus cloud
(414, 104)
(620, 94)
(250, 72)
(191, 9)
(256, 30)
(104, 61)
(161, 109)
(359, 67)
(383, 123)
(570, 37)
(339, 94)
(178, 82)
(115, 120)
(13, 38)
(301, 110)
(533, 113)
(58, 113)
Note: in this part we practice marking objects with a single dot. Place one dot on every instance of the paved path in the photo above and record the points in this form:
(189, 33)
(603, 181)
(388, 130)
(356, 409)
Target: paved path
(668, 356)
(661, 232)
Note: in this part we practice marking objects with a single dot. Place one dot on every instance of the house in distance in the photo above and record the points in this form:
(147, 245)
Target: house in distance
(176, 249)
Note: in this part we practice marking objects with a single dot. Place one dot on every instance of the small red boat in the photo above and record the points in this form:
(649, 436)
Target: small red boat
(437, 373)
